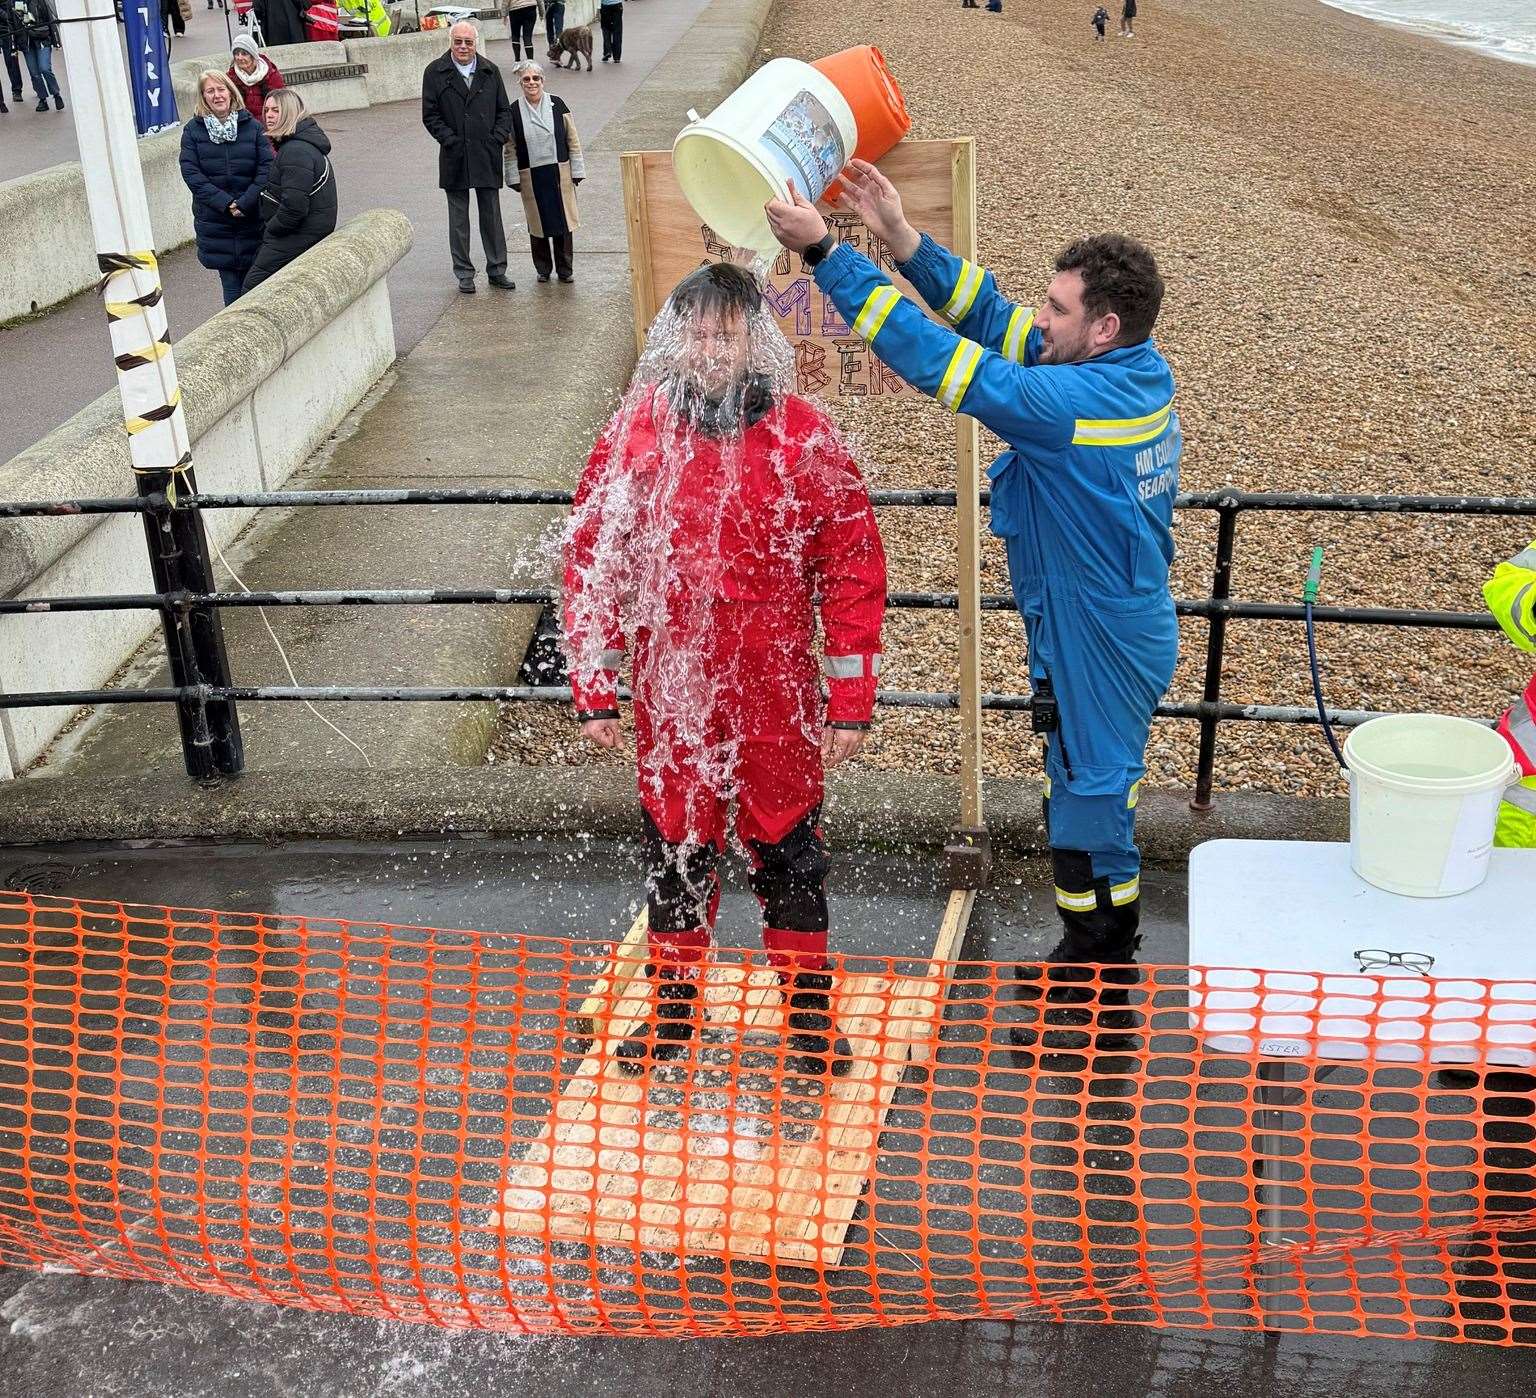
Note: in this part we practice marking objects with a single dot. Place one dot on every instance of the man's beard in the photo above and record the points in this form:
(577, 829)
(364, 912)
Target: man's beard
(732, 408)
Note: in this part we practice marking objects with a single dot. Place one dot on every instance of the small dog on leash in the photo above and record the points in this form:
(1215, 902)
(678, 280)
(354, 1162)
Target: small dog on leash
(575, 44)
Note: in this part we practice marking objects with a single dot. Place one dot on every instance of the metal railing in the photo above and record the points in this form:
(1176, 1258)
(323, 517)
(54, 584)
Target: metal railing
(207, 699)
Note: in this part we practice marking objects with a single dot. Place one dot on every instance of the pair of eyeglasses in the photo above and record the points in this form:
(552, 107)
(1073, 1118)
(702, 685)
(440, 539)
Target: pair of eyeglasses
(1377, 958)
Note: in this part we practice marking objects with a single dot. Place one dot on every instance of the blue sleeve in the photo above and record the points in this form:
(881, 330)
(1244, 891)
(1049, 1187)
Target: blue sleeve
(967, 297)
(1019, 403)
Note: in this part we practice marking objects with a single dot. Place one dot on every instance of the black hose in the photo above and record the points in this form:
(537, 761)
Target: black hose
(1317, 688)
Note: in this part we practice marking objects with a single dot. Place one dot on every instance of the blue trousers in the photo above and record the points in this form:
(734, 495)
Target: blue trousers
(40, 66)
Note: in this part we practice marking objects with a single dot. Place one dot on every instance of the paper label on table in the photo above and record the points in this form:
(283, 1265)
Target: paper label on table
(1283, 1048)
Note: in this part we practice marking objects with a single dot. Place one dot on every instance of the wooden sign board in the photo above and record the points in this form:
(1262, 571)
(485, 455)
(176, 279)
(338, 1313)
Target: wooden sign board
(667, 240)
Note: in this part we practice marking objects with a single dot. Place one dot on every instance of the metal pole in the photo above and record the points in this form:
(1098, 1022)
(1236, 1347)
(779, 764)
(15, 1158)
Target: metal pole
(146, 373)
(1221, 590)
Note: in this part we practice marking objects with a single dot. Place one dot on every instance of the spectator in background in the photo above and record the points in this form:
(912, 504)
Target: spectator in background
(280, 22)
(1100, 19)
(298, 203)
(464, 107)
(174, 16)
(549, 167)
(1128, 20)
(39, 38)
(225, 160)
(610, 15)
(520, 20)
(12, 41)
(554, 20)
(254, 75)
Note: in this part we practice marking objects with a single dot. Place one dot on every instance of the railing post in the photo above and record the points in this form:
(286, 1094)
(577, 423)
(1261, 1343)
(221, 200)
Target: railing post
(1215, 647)
(194, 637)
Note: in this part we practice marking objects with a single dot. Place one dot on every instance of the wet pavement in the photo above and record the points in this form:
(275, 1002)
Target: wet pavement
(66, 1335)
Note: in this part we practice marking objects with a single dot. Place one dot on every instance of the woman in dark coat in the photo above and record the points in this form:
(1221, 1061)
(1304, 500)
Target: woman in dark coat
(225, 157)
(549, 167)
(299, 201)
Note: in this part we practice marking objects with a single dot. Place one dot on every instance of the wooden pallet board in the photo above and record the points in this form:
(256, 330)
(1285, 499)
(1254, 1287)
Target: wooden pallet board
(701, 1163)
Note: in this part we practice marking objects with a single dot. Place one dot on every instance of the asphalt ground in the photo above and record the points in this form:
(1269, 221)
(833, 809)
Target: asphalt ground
(58, 362)
(67, 1335)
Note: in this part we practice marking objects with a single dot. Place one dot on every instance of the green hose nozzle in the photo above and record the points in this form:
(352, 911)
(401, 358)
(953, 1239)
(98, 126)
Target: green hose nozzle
(1314, 576)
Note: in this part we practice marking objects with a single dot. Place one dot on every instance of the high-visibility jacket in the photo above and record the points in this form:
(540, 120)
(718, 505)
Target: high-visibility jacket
(371, 11)
(1511, 596)
(1083, 496)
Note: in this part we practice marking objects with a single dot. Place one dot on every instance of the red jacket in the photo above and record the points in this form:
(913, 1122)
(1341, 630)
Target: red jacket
(255, 94)
(754, 533)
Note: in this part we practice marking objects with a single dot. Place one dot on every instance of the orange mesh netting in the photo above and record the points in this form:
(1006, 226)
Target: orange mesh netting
(414, 1123)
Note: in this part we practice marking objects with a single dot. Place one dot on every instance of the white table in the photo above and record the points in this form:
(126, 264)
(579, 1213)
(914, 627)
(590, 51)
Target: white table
(1273, 930)
(1282, 920)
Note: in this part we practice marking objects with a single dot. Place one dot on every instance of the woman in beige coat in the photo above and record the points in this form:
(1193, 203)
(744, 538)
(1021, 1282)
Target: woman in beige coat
(545, 166)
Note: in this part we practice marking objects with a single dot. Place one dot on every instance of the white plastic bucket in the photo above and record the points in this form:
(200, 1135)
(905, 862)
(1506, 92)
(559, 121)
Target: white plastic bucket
(1424, 793)
(786, 122)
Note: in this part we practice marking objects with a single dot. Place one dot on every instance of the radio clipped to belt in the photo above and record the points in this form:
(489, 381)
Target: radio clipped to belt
(1044, 716)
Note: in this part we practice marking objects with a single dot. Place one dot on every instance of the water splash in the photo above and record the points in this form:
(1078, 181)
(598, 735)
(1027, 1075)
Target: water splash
(692, 542)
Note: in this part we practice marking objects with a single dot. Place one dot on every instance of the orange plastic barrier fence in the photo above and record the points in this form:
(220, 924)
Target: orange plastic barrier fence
(430, 1125)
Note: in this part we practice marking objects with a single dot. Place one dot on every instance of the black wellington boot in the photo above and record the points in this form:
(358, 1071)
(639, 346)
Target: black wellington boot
(666, 1037)
(1105, 938)
(813, 1045)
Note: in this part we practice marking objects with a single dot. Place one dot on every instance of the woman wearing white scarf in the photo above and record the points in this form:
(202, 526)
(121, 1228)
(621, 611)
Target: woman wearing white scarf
(544, 164)
(254, 74)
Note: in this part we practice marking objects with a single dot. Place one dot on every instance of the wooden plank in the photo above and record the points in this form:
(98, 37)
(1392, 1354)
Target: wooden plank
(716, 1174)
(628, 957)
(642, 291)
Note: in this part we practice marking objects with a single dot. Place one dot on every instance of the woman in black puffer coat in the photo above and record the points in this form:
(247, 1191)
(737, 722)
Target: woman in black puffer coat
(299, 201)
(225, 157)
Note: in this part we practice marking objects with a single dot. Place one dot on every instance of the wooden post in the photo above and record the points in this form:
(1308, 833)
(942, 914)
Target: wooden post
(968, 855)
(642, 290)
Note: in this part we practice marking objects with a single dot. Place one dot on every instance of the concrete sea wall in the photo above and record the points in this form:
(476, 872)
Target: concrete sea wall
(263, 383)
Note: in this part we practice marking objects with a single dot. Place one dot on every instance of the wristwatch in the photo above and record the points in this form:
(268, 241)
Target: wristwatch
(813, 255)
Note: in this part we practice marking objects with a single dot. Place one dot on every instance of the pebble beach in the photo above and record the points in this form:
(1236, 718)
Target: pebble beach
(1343, 213)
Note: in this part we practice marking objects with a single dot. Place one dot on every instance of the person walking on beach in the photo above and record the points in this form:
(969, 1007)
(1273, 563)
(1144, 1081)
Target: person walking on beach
(1083, 497)
(464, 106)
(1100, 20)
(1128, 20)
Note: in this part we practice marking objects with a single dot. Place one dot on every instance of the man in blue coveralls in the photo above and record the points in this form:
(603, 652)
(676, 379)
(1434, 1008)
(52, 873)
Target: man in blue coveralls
(1083, 498)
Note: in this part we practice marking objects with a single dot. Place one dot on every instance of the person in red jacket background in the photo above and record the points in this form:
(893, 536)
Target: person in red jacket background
(715, 511)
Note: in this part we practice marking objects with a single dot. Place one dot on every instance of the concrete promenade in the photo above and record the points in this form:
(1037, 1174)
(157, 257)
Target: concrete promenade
(383, 158)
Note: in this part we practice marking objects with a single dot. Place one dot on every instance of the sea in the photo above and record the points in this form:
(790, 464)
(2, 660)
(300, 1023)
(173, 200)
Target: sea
(1504, 28)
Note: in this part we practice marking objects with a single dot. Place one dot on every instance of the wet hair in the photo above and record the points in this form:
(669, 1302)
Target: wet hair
(1120, 275)
(721, 289)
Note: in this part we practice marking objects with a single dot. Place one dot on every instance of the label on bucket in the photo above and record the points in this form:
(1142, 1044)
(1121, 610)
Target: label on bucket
(804, 142)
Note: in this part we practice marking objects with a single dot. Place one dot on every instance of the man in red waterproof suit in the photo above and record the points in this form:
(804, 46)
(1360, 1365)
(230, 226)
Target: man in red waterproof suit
(714, 512)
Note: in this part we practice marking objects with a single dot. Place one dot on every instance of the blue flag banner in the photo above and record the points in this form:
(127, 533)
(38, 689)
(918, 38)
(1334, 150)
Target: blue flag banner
(154, 104)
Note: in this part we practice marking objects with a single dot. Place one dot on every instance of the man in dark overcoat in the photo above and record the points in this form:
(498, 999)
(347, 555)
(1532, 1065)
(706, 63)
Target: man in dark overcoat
(465, 108)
